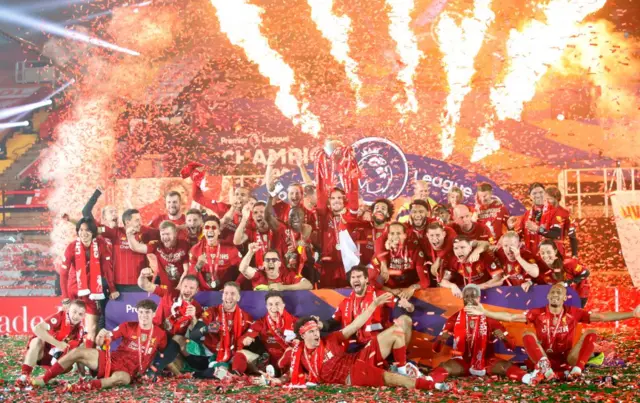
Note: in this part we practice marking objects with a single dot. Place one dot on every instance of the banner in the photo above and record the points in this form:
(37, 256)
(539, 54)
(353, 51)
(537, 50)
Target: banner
(433, 307)
(388, 172)
(19, 315)
(626, 210)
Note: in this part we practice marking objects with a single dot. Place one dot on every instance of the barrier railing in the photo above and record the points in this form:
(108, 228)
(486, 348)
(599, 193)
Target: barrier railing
(20, 207)
(608, 180)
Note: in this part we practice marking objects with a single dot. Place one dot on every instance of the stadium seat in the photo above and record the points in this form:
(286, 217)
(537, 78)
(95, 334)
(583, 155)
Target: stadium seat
(17, 145)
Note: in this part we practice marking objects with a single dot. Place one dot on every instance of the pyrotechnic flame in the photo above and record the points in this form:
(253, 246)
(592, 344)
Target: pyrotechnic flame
(605, 58)
(531, 52)
(460, 45)
(241, 22)
(407, 49)
(83, 153)
(336, 30)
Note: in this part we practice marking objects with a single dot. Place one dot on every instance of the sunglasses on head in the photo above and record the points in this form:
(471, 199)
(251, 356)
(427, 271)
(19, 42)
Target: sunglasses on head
(271, 259)
(208, 227)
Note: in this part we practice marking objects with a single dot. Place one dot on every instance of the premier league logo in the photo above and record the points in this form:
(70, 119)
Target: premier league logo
(383, 168)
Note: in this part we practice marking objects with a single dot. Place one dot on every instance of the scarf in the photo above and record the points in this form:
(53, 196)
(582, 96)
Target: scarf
(314, 360)
(478, 343)
(355, 306)
(178, 319)
(91, 285)
(277, 328)
(228, 336)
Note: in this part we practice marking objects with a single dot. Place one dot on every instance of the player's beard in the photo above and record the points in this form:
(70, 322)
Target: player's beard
(359, 289)
(379, 218)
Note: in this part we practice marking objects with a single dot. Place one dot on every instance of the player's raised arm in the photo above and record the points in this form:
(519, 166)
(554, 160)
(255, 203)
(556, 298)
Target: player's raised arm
(614, 316)
(501, 316)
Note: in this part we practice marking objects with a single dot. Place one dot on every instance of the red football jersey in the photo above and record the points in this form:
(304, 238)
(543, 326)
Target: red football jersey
(371, 329)
(479, 272)
(478, 232)
(336, 362)
(531, 239)
(513, 269)
(365, 235)
(138, 345)
(494, 216)
(407, 266)
(286, 277)
(211, 315)
(445, 252)
(59, 326)
(128, 264)
(557, 337)
(169, 302)
(473, 321)
(222, 264)
(171, 261)
(157, 220)
(267, 240)
(68, 275)
(282, 210)
(262, 329)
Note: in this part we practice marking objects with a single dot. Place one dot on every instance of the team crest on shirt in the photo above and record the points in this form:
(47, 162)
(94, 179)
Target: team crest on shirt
(54, 321)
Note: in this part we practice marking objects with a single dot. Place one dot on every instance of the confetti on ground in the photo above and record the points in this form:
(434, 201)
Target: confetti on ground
(619, 346)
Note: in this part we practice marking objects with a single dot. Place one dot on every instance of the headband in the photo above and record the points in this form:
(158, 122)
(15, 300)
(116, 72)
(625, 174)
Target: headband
(311, 325)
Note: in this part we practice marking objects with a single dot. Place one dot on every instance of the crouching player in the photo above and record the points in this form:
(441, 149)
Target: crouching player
(551, 348)
(473, 338)
(59, 333)
(267, 339)
(140, 342)
(316, 360)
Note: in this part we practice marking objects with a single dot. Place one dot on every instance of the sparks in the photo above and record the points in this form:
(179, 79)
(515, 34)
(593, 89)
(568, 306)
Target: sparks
(532, 50)
(460, 45)
(336, 30)
(241, 22)
(407, 48)
(530, 53)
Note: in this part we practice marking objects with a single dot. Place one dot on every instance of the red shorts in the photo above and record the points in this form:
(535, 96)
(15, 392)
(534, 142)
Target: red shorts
(371, 354)
(367, 369)
(118, 363)
(488, 364)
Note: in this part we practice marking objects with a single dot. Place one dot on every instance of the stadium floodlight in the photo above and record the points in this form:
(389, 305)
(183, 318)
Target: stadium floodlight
(13, 124)
(16, 18)
(6, 113)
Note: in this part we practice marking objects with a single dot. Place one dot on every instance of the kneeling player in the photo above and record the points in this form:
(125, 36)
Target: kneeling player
(59, 333)
(214, 338)
(140, 342)
(325, 360)
(176, 313)
(551, 348)
(473, 338)
(272, 334)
